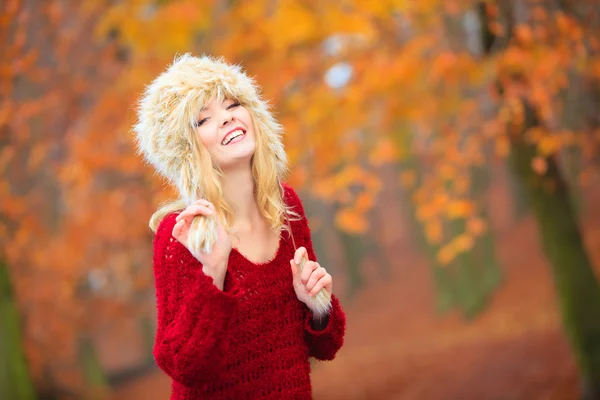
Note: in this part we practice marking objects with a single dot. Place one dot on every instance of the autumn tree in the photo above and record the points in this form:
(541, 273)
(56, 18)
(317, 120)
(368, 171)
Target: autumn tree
(438, 89)
(72, 261)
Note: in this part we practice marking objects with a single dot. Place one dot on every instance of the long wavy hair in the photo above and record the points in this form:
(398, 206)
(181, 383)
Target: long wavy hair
(166, 136)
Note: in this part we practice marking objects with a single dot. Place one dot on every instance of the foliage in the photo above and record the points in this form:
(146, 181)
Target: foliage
(356, 84)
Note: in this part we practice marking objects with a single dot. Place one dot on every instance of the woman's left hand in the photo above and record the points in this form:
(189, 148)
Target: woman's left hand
(311, 280)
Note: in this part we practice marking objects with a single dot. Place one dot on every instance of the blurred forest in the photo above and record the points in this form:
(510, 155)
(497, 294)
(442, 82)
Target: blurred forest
(446, 152)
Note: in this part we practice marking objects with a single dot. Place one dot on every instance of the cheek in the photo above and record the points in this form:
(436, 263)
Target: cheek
(206, 137)
(246, 117)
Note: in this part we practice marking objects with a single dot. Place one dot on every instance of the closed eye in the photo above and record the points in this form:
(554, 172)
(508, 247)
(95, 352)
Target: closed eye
(202, 121)
(233, 105)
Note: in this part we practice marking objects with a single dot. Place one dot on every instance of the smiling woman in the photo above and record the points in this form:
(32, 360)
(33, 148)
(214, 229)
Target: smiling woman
(225, 123)
(241, 308)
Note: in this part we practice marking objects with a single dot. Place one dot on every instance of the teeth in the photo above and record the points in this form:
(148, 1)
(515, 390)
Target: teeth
(231, 136)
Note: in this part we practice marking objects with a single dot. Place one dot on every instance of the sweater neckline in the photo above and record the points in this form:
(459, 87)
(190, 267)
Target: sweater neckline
(262, 264)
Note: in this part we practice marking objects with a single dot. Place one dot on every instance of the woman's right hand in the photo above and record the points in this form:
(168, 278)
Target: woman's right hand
(214, 264)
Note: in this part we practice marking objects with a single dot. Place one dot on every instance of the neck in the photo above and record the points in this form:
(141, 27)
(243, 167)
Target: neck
(239, 192)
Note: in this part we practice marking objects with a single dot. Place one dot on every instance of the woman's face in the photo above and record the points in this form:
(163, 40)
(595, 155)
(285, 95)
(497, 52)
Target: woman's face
(226, 130)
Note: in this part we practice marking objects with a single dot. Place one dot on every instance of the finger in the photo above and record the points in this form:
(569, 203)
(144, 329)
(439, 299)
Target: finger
(295, 273)
(309, 267)
(176, 232)
(205, 202)
(199, 208)
(191, 211)
(314, 278)
(301, 252)
(323, 283)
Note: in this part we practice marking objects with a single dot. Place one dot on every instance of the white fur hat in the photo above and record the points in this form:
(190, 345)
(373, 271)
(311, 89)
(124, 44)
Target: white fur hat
(169, 107)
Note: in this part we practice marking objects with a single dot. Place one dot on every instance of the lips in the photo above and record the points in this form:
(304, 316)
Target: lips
(234, 135)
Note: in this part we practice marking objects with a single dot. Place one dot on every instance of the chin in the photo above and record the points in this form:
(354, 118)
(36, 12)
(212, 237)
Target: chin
(240, 160)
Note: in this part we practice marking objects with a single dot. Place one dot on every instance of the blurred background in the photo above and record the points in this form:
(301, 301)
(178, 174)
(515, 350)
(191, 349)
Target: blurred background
(446, 153)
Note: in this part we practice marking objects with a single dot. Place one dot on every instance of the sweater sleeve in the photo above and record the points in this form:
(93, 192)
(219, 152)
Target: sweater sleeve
(322, 344)
(193, 314)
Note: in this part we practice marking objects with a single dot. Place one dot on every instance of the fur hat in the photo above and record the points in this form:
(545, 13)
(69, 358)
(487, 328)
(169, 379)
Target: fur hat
(165, 131)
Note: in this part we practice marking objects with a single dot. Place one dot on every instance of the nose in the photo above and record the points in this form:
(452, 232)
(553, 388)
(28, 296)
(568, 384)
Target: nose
(227, 118)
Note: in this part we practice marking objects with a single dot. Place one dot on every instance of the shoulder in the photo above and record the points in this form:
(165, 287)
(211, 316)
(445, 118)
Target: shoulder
(163, 239)
(290, 196)
(291, 199)
(166, 226)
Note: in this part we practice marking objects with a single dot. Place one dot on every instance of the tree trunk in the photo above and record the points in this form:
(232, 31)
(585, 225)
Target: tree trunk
(15, 382)
(93, 374)
(576, 285)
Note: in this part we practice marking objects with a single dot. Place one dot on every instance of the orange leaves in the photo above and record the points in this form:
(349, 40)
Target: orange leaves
(36, 156)
(364, 201)
(523, 34)
(290, 25)
(385, 152)
(502, 146)
(350, 221)
(459, 209)
(434, 232)
(408, 179)
(548, 145)
(568, 27)
(150, 28)
(462, 243)
(476, 226)
(337, 188)
(381, 9)
(539, 165)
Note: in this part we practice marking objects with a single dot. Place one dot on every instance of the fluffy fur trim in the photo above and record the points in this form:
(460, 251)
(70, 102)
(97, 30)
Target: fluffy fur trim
(169, 106)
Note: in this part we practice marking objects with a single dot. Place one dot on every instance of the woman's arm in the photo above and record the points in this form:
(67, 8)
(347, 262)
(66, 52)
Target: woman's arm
(325, 335)
(193, 313)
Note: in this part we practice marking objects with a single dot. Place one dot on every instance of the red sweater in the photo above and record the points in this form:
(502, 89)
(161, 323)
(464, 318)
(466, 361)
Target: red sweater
(252, 340)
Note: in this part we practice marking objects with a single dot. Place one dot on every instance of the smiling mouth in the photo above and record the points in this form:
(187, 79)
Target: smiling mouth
(234, 137)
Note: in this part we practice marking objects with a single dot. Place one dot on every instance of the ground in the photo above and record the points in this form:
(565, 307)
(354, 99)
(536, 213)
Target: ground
(397, 347)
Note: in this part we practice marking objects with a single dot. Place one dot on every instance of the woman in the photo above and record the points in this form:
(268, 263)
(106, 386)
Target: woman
(236, 313)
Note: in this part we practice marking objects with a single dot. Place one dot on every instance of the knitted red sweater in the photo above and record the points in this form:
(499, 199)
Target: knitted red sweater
(252, 340)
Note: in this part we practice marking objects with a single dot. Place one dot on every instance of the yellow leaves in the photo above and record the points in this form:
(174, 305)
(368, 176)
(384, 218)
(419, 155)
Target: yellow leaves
(336, 20)
(291, 24)
(163, 29)
(383, 9)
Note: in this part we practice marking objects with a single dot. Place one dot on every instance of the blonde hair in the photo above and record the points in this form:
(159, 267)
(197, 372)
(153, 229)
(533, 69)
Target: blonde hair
(166, 136)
